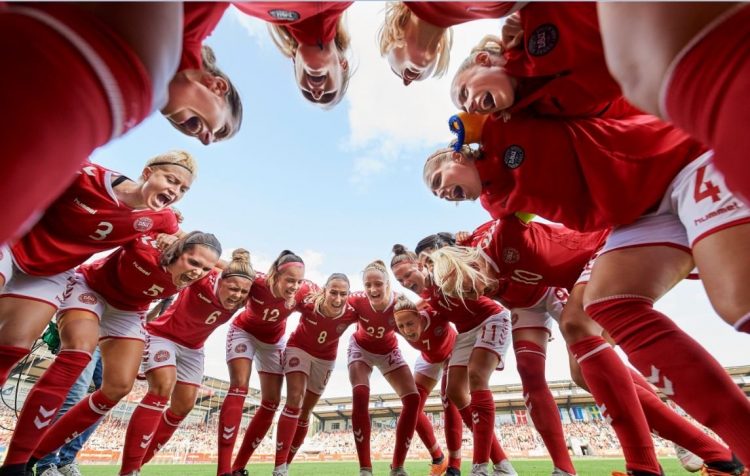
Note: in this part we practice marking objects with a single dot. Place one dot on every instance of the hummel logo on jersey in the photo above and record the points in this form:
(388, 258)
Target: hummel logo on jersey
(256, 300)
(46, 417)
(256, 442)
(359, 436)
(228, 432)
(311, 321)
(204, 298)
(72, 437)
(142, 270)
(84, 206)
(663, 383)
(146, 440)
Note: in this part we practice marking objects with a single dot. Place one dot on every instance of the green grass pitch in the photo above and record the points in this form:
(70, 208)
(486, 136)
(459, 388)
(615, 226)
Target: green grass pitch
(585, 467)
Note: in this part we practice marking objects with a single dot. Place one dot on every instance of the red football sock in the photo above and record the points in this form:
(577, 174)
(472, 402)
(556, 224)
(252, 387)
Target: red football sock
(361, 424)
(255, 433)
(497, 454)
(9, 358)
(299, 438)
(610, 384)
(141, 431)
(167, 426)
(43, 402)
(530, 359)
(666, 423)
(677, 364)
(285, 430)
(453, 432)
(230, 418)
(707, 96)
(483, 417)
(405, 426)
(424, 427)
(75, 421)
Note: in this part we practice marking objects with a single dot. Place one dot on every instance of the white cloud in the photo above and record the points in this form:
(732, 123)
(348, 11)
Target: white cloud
(418, 114)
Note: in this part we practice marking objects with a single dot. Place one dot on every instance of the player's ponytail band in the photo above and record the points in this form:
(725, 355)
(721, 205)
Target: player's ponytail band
(291, 263)
(172, 163)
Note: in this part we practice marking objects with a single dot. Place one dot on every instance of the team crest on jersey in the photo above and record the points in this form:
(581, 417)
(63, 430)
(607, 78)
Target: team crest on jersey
(543, 39)
(88, 298)
(284, 15)
(294, 361)
(513, 157)
(511, 255)
(240, 348)
(161, 356)
(340, 328)
(440, 330)
(143, 224)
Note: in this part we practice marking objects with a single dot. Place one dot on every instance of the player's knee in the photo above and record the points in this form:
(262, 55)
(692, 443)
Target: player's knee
(477, 380)
(577, 376)
(181, 408)
(116, 391)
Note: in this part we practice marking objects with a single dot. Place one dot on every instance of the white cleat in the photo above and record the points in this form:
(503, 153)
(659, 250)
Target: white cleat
(480, 469)
(51, 471)
(70, 469)
(281, 470)
(560, 472)
(503, 468)
(690, 461)
(365, 472)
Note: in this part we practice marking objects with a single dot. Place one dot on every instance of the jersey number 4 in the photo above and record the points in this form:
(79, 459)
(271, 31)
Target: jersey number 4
(705, 188)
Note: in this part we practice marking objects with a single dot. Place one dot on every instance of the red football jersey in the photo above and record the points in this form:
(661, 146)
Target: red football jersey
(447, 14)
(437, 337)
(310, 23)
(465, 315)
(194, 315)
(131, 277)
(86, 219)
(200, 19)
(376, 330)
(265, 314)
(318, 335)
(561, 67)
(588, 174)
(537, 253)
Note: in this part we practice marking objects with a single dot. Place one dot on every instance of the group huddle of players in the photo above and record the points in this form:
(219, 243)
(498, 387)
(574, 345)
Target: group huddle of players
(630, 136)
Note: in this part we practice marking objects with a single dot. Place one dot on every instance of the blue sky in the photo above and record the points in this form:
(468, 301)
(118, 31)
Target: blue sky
(341, 186)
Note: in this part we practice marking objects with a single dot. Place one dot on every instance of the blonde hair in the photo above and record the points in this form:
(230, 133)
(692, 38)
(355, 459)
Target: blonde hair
(239, 266)
(287, 44)
(401, 254)
(320, 296)
(379, 265)
(490, 44)
(284, 257)
(442, 156)
(232, 96)
(179, 158)
(391, 35)
(453, 266)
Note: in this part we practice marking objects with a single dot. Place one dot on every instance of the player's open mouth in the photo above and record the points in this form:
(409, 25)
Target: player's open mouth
(488, 103)
(457, 193)
(410, 75)
(164, 199)
(316, 80)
